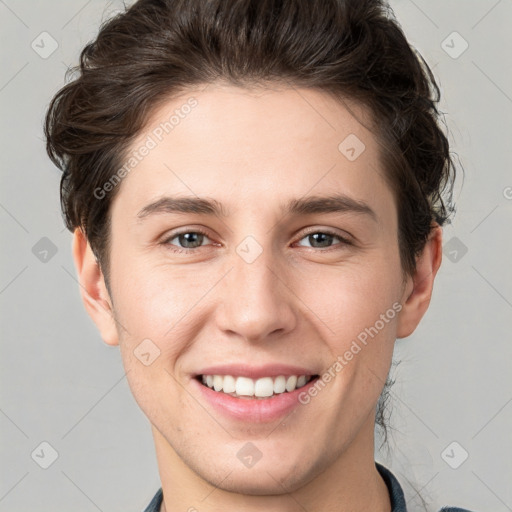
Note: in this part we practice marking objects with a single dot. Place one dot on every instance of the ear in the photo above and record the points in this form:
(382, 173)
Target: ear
(93, 290)
(418, 288)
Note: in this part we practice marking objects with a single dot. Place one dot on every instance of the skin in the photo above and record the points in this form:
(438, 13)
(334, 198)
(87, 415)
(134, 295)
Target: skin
(298, 303)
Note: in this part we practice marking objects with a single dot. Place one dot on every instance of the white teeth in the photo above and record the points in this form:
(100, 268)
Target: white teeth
(264, 387)
(260, 388)
(244, 386)
(301, 381)
(217, 382)
(291, 383)
(280, 384)
(229, 385)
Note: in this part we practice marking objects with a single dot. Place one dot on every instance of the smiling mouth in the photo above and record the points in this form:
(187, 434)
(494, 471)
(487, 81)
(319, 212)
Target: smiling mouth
(247, 388)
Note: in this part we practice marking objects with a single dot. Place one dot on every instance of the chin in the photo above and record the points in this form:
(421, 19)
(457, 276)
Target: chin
(264, 478)
(261, 483)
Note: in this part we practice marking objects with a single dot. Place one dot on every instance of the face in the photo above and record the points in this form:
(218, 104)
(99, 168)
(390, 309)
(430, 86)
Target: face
(257, 238)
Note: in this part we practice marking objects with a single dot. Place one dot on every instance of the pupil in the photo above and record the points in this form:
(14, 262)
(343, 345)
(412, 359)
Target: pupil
(190, 238)
(322, 238)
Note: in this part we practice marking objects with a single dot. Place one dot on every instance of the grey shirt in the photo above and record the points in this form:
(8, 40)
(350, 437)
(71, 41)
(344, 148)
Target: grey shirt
(396, 495)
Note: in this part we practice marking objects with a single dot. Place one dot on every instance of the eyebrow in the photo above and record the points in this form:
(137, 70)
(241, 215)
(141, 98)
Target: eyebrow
(338, 203)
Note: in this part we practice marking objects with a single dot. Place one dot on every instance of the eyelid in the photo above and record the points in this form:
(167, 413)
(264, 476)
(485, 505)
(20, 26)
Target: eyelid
(190, 229)
(346, 239)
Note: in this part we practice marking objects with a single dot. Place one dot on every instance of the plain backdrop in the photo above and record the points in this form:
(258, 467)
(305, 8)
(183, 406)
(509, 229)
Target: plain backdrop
(63, 387)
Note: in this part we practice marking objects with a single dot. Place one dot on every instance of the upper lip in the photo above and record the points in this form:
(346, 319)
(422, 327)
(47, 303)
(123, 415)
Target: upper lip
(255, 372)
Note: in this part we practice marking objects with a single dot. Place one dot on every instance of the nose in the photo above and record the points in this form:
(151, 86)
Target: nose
(256, 302)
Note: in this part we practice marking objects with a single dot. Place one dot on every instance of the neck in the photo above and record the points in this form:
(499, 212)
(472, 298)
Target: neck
(351, 483)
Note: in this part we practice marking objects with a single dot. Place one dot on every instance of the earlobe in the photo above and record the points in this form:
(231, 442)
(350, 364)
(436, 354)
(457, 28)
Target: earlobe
(418, 290)
(93, 290)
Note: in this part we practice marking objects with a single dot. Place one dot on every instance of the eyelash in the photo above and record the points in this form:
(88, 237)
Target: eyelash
(173, 248)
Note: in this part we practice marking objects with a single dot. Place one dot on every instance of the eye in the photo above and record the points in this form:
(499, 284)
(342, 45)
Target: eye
(323, 239)
(186, 240)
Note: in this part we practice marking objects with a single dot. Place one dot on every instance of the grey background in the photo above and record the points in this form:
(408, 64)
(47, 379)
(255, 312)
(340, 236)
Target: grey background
(61, 384)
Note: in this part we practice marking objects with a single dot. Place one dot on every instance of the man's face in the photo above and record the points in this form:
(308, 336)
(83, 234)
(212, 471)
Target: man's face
(265, 285)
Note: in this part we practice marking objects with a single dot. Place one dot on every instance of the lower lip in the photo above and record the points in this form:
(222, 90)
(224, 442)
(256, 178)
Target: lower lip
(253, 410)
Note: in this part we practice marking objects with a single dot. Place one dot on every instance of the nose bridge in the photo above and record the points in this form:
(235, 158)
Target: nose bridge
(255, 304)
(253, 271)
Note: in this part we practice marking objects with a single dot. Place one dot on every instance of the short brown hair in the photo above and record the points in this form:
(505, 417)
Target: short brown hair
(158, 48)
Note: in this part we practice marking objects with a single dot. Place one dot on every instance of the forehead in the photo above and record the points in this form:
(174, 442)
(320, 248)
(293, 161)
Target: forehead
(233, 143)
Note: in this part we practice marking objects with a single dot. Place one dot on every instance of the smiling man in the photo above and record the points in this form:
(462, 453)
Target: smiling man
(254, 226)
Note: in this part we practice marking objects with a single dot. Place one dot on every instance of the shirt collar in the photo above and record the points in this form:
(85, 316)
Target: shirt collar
(396, 494)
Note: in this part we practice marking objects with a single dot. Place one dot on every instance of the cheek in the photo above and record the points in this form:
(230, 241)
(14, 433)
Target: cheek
(351, 298)
(153, 300)
(153, 305)
(162, 309)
